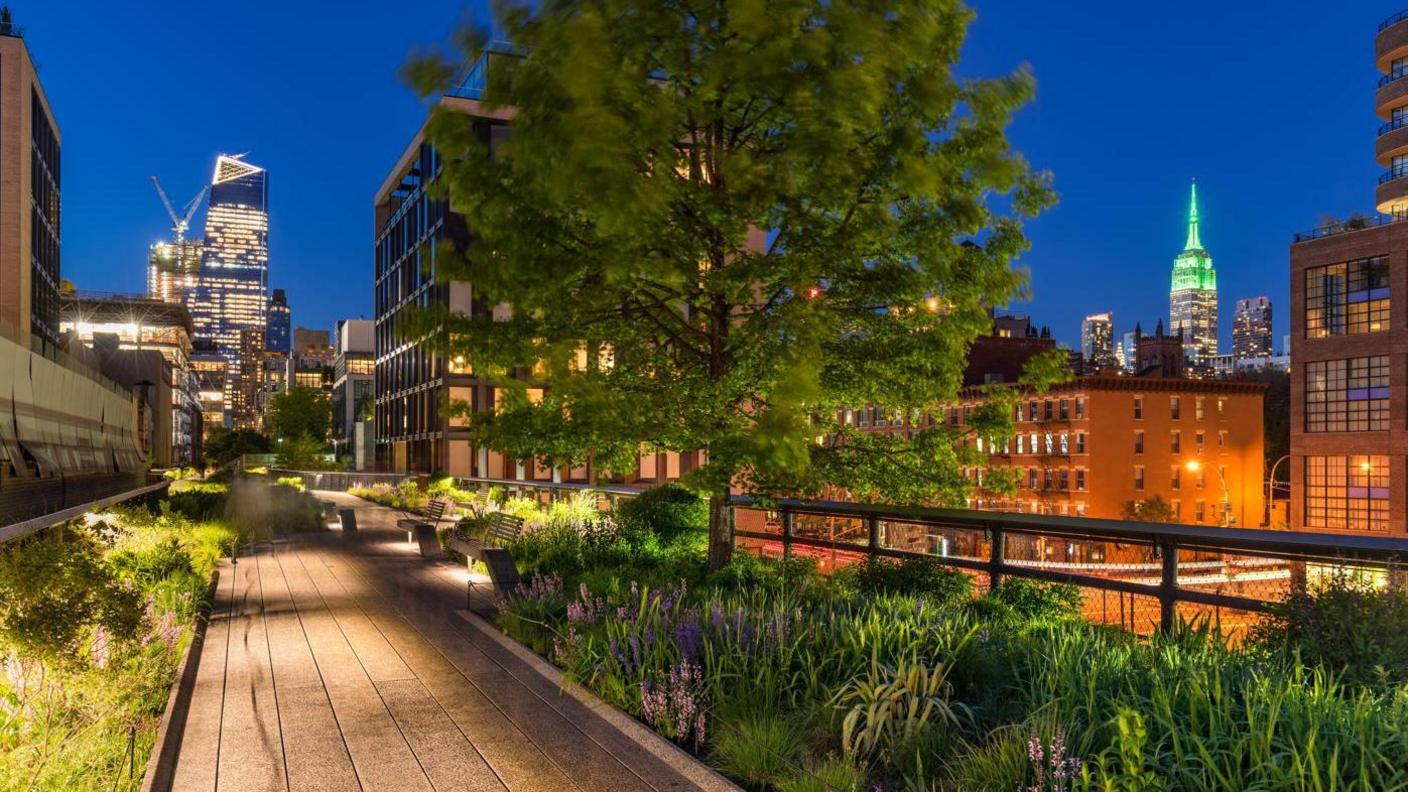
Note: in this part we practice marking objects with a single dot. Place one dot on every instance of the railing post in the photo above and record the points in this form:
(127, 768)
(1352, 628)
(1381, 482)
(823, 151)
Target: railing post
(787, 529)
(872, 528)
(1168, 585)
(995, 556)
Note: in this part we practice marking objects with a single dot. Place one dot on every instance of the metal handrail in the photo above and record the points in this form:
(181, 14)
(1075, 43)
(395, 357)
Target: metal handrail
(1393, 20)
(1165, 541)
(1393, 76)
(1393, 173)
(1388, 127)
(1354, 224)
(26, 527)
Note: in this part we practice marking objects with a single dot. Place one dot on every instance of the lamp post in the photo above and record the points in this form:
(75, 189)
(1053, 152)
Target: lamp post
(1270, 486)
(1194, 466)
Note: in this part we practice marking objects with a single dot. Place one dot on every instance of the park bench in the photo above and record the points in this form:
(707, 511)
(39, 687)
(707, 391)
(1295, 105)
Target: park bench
(421, 529)
(503, 529)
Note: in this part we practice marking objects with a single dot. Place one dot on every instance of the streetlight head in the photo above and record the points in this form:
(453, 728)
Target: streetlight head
(1193, 465)
(1366, 466)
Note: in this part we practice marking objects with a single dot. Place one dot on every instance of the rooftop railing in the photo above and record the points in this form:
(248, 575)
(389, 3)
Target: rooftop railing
(1393, 20)
(476, 80)
(1342, 227)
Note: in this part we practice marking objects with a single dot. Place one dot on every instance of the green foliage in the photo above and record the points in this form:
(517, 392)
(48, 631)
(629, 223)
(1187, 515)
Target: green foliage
(1155, 510)
(751, 216)
(1349, 626)
(223, 446)
(302, 453)
(94, 622)
(261, 511)
(833, 774)
(759, 746)
(908, 576)
(300, 412)
(1033, 600)
(406, 496)
(662, 514)
(295, 482)
(892, 705)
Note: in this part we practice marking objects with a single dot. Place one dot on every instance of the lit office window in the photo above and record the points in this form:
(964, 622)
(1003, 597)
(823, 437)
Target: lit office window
(1347, 298)
(1347, 395)
(1347, 492)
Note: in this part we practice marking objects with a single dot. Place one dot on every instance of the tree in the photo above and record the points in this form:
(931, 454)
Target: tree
(1276, 419)
(223, 446)
(1155, 509)
(720, 224)
(300, 413)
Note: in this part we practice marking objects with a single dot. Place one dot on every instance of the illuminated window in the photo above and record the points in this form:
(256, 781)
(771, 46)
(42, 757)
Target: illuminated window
(1347, 395)
(1174, 406)
(1138, 408)
(1138, 442)
(1347, 492)
(1200, 407)
(1139, 477)
(1347, 298)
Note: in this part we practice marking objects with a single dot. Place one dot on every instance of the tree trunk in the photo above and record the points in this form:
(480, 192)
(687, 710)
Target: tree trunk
(720, 530)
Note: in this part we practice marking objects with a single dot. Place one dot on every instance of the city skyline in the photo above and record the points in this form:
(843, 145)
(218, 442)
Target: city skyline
(1097, 250)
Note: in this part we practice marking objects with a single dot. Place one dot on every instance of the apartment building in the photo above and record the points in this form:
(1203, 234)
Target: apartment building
(1097, 444)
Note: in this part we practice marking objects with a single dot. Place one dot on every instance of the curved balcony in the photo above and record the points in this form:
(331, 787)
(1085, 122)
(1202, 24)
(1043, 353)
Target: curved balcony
(1392, 92)
(1392, 193)
(1391, 41)
(1392, 140)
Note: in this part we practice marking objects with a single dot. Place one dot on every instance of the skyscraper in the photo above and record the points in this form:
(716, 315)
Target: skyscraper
(280, 322)
(1251, 329)
(1126, 351)
(172, 269)
(1192, 297)
(1097, 339)
(231, 295)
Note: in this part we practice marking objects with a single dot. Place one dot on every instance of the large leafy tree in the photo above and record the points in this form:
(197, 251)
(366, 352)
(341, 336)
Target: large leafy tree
(720, 223)
(300, 413)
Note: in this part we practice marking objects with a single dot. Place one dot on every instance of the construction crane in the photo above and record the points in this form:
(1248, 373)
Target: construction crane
(179, 223)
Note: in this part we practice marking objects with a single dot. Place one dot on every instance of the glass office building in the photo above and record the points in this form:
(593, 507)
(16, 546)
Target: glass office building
(231, 293)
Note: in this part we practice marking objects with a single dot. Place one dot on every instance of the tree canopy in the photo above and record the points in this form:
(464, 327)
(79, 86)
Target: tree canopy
(300, 413)
(720, 224)
(223, 446)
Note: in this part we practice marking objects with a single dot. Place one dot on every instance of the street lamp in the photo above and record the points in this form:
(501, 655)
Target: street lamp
(1194, 466)
(1270, 485)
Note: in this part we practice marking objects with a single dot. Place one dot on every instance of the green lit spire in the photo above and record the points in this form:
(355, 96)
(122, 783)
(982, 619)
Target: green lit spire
(1193, 242)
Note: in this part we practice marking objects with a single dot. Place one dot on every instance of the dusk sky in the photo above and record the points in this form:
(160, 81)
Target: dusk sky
(1270, 107)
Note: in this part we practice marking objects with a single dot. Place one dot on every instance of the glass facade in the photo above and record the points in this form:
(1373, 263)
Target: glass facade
(230, 295)
(172, 269)
(1347, 492)
(1347, 298)
(1347, 395)
(279, 336)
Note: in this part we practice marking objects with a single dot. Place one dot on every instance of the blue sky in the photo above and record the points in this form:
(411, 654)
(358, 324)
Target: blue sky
(1270, 107)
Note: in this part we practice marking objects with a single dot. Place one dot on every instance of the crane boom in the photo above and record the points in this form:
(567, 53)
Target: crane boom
(179, 223)
(171, 210)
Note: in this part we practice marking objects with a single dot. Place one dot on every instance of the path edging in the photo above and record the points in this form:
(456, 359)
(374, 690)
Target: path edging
(683, 762)
(161, 764)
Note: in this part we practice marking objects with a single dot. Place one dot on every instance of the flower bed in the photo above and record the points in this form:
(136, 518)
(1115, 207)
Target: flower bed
(896, 677)
(95, 616)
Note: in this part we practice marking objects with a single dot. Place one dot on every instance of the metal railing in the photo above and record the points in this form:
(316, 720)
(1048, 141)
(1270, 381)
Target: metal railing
(27, 527)
(1393, 20)
(1206, 569)
(1393, 173)
(1393, 76)
(1353, 224)
(1386, 128)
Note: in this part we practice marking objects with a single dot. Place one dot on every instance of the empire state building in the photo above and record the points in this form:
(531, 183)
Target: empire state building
(1192, 297)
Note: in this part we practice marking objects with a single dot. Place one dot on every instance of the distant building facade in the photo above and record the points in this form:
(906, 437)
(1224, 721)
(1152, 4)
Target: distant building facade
(141, 324)
(1125, 352)
(1251, 329)
(1192, 298)
(279, 336)
(353, 386)
(173, 269)
(1097, 339)
(231, 293)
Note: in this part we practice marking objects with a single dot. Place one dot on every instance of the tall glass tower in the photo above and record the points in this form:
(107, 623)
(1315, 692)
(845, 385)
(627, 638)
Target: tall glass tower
(1192, 297)
(280, 324)
(231, 294)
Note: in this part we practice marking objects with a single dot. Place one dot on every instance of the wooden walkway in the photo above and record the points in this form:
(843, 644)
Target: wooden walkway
(337, 662)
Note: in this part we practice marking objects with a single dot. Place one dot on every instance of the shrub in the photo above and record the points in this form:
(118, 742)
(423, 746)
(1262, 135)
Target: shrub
(151, 562)
(292, 482)
(833, 774)
(891, 705)
(1346, 625)
(1032, 600)
(917, 576)
(758, 745)
(667, 513)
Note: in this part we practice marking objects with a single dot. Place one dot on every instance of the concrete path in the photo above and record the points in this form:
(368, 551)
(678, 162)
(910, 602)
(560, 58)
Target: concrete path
(337, 662)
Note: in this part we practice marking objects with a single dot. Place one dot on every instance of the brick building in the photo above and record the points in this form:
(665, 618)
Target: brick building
(1092, 445)
(1349, 340)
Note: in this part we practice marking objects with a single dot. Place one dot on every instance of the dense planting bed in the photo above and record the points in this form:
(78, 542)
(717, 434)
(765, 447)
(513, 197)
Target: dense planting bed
(95, 616)
(897, 677)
